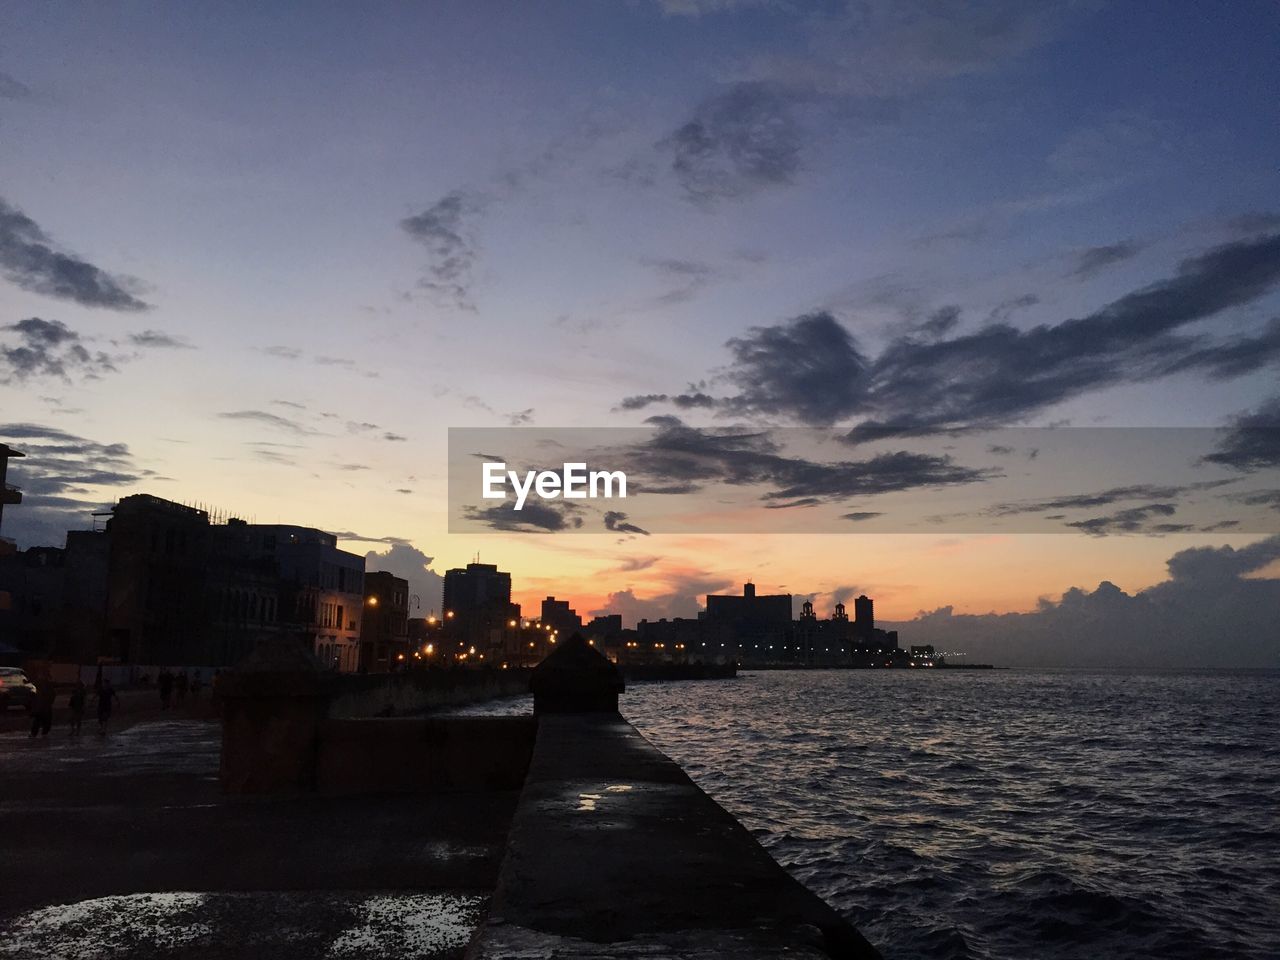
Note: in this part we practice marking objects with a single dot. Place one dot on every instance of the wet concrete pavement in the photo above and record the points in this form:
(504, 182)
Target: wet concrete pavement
(134, 825)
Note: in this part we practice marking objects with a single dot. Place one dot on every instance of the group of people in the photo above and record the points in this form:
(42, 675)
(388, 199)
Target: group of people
(47, 694)
(168, 683)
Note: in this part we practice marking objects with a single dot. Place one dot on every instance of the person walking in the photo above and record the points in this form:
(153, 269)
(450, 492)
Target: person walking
(164, 683)
(196, 684)
(42, 707)
(107, 698)
(76, 703)
(181, 684)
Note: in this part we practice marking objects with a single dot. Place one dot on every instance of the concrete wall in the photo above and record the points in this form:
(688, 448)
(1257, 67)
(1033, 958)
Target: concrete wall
(287, 730)
(402, 694)
(426, 755)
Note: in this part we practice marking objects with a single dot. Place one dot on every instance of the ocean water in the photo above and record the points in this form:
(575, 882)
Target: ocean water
(1003, 814)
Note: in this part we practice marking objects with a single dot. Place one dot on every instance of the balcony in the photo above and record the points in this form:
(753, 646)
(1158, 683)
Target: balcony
(10, 494)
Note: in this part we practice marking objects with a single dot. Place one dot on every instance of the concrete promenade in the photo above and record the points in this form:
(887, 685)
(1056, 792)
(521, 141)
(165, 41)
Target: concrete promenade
(615, 853)
(125, 846)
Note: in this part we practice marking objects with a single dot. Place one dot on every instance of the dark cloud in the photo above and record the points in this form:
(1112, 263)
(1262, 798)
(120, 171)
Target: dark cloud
(61, 478)
(942, 321)
(521, 418)
(859, 515)
(682, 401)
(617, 521)
(1084, 501)
(394, 437)
(535, 517)
(738, 142)
(809, 368)
(1257, 498)
(1253, 442)
(1132, 520)
(678, 456)
(1231, 358)
(1002, 374)
(49, 348)
(29, 260)
(802, 502)
(444, 230)
(13, 89)
(1213, 611)
(159, 339)
(1091, 260)
(812, 370)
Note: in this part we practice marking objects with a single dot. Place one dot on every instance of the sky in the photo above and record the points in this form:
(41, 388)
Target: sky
(263, 257)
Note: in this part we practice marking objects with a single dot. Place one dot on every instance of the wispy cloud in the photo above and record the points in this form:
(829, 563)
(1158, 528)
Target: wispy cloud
(738, 142)
(268, 419)
(445, 229)
(854, 63)
(161, 340)
(13, 89)
(1092, 260)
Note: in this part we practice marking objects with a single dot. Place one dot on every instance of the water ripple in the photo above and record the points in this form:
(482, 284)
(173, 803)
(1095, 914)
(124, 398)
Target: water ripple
(1004, 815)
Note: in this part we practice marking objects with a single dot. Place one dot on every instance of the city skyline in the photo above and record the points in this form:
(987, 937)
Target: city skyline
(263, 261)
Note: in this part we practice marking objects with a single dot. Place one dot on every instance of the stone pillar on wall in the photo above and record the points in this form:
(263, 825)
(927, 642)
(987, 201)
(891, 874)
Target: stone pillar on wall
(272, 705)
(576, 678)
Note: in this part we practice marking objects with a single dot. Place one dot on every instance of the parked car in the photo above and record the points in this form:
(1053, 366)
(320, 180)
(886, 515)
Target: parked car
(15, 689)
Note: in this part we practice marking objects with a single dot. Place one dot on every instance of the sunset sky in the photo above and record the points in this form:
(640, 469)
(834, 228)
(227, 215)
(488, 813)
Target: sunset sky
(262, 257)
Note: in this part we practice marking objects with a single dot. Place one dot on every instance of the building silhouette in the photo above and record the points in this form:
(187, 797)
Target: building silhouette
(751, 614)
(477, 601)
(864, 618)
(163, 585)
(384, 626)
(562, 617)
(8, 494)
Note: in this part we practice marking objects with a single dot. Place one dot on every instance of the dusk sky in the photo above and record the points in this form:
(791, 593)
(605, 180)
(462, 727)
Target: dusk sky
(263, 256)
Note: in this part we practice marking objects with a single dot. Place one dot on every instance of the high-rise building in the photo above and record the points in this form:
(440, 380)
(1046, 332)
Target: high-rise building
(477, 599)
(561, 617)
(864, 619)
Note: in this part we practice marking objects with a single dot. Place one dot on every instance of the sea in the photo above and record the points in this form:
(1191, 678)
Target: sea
(1002, 814)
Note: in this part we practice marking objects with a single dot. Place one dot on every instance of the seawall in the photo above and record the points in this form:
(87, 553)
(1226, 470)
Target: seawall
(614, 852)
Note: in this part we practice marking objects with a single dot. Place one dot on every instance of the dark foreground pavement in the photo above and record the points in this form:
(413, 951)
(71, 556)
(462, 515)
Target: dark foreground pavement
(125, 846)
